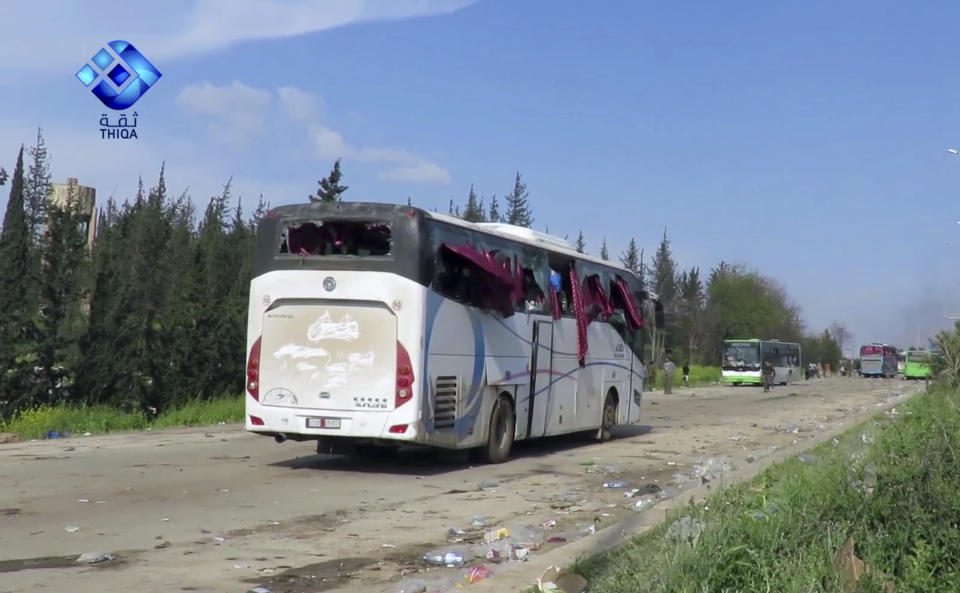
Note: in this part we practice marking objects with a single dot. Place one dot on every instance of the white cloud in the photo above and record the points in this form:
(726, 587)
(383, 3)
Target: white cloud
(234, 111)
(301, 106)
(177, 28)
(424, 171)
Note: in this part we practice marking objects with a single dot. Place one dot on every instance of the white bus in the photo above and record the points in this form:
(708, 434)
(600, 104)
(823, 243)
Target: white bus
(375, 324)
(743, 361)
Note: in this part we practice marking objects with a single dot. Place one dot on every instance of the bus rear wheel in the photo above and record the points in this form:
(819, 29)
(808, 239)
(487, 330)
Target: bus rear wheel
(500, 432)
(609, 418)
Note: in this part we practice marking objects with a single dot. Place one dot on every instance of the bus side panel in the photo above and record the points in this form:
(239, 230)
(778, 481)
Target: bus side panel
(562, 405)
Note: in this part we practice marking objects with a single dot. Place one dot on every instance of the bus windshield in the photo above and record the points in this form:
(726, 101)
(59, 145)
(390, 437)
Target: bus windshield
(871, 350)
(918, 357)
(740, 355)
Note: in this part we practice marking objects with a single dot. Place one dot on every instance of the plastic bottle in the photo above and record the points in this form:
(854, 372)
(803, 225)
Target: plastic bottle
(448, 559)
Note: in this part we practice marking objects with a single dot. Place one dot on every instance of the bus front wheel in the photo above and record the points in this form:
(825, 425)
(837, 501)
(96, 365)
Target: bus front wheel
(500, 432)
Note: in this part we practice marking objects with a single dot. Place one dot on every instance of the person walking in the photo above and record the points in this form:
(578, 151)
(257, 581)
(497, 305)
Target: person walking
(768, 373)
(668, 370)
(686, 374)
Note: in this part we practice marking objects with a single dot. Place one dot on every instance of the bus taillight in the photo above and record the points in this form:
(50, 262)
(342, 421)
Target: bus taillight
(404, 376)
(253, 371)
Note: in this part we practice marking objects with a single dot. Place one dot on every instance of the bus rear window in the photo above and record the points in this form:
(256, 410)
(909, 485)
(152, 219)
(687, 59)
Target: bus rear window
(361, 238)
(871, 350)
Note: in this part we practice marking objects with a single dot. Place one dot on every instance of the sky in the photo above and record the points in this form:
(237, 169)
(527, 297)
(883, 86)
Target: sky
(807, 141)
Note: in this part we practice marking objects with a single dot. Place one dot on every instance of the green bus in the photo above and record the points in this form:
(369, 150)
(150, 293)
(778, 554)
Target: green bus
(743, 361)
(916, 364)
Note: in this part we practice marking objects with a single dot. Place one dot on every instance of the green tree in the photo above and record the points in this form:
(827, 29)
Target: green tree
(665, 274)
(15, 368)
(494, 215)
(690, 311)
(946, 359)
(604, 254)
(330, 189)
(37, 187)
(59, 319)
(518, 210)
(743, 304)
(630, 259)
(473, 211)
(581, 244)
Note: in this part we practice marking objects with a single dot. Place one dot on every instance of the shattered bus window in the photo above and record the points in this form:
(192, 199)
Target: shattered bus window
(336, 238)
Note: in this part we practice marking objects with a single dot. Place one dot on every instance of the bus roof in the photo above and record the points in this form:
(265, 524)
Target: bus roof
(505, 231)
(759, 340)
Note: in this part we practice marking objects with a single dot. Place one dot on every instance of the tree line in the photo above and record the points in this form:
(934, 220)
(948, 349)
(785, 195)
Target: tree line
(154, 314)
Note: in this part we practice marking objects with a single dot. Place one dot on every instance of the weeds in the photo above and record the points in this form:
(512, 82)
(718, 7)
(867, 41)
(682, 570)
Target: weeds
(36, 422)
(897, 498)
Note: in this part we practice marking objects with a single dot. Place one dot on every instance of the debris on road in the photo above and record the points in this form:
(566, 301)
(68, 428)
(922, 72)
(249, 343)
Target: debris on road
(71, 529)
(712, 469)
(557, 580)
(94, 557)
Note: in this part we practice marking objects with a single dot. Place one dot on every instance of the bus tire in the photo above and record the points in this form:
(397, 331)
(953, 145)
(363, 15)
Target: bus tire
(608, 418)
(500, 432)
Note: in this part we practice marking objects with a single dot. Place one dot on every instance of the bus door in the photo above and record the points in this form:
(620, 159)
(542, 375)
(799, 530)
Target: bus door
(541, 375)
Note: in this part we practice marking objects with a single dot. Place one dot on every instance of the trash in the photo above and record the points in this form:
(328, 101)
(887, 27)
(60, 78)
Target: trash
(685, 530)
(750, 459)
(867, 438)
(526, 537)
(557, 539)
(409, 586)
(549, 523)
(557, 580)
(478, 522)
(52, 434)
(83, 500)
(645, 503)
(475, 574)
(88, 434)
(94, 557)
(712, 469)
(259, 590)
(589, 529)
(851, 569)
(808, 458)
(736, 438)
(496, 535)
(71, 529)
(162, 545)
(444, 558)
(631, 493)
(614, 484)
(489, 484)
(165, 519)
(388, 546)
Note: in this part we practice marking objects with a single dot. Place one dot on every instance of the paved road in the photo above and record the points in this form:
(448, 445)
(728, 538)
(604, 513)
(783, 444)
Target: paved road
(217, 509)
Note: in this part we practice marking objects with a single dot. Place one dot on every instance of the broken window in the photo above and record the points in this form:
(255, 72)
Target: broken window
(358, 238)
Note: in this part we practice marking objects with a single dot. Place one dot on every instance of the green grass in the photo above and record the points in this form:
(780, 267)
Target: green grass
(699, 375)
(36, 422)
(779, 532)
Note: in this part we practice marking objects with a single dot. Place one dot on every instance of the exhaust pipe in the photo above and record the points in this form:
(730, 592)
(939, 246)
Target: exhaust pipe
(279, 437)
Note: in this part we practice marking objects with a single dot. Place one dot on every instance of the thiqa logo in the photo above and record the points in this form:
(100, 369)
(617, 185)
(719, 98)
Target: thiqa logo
(119, 75)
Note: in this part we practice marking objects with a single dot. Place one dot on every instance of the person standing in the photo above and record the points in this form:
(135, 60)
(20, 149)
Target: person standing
(686, 374)
(768, 373)
(668, 370)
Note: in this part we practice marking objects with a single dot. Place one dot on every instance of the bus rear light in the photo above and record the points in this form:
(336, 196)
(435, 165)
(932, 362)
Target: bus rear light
(404, 377)
(398, 428)
(256, 421)
(253, 371)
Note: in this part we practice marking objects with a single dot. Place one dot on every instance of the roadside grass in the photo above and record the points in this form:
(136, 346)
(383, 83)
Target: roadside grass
(699, 375)
(34, 423)
(895, 492)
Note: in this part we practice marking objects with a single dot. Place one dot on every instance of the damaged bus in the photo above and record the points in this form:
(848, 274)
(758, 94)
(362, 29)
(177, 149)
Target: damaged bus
(375, 325)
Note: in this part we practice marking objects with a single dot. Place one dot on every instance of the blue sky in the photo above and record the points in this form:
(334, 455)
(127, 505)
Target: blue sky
(807, 141)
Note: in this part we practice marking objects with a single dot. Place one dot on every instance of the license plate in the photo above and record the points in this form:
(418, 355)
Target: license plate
(323, 423)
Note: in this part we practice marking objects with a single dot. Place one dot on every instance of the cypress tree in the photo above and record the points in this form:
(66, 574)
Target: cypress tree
(518, 210)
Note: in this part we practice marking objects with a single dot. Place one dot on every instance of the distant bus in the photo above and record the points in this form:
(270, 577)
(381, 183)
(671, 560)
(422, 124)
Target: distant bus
(743, 361)
(917, 364)
(878, 360)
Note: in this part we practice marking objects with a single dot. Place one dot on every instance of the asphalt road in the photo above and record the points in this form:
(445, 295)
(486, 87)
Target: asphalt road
(216, 509)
